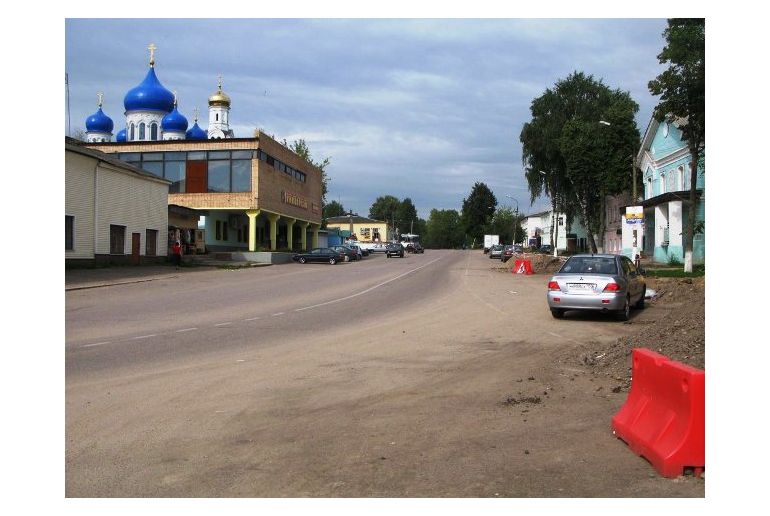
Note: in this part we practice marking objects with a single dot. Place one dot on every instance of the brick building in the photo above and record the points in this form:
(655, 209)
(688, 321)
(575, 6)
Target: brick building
(251, 193)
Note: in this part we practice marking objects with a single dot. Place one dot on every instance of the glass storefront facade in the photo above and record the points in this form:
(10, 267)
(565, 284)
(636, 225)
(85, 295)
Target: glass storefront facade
(224, 171)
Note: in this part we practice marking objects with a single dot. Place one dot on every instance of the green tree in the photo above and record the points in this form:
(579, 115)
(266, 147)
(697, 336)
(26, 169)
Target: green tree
(300, 148)
(478, 209)
(406, 216)
(565, 122)
(333, 209)
(385, 208)
(682, 90)
(502, 224)
(443, 230)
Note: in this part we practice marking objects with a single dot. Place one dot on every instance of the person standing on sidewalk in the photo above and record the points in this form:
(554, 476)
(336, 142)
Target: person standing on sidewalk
(176, 254)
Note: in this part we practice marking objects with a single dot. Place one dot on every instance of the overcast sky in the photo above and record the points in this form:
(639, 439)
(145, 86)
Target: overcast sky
(410, 108)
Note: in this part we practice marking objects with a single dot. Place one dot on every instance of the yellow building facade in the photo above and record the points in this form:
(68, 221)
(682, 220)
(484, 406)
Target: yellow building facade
(365, 230)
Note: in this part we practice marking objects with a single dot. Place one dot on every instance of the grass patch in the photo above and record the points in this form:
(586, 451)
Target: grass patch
(669, 272)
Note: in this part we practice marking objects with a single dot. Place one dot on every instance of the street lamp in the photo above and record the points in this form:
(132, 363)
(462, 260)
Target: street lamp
(515, 216)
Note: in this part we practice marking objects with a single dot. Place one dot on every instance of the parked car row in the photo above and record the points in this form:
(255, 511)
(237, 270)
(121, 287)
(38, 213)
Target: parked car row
(352, 252)
(505, 252)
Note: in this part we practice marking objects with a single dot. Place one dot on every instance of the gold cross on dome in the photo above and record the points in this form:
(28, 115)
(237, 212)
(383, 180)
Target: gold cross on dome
(220, 81)
(100, 96)
(152, 48)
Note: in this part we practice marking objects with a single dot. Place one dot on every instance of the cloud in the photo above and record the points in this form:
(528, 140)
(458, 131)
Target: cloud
(422, 108)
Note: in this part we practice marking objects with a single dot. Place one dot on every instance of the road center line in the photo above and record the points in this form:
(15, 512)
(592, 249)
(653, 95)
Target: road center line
(95, 344)
(145, 336)
(252, 319)
(224, 324)
(368, 289)
(276, 315)
(185, 329)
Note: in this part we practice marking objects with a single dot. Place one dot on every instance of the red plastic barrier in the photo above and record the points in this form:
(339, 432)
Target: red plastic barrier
(522, 267)
(663, 419)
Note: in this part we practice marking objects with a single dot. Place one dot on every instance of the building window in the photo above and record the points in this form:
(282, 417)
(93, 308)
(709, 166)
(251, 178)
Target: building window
(219, 176)
(131, 137)
(151, 242)
(662, 183)
(69, 230)
(219, 230)
(174, 171)
(153, 131)
(141, 131)
(117, 239)
(241, 175)
(224, 231)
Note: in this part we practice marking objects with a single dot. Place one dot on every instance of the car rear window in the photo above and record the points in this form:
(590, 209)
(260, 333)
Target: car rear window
(589, 265)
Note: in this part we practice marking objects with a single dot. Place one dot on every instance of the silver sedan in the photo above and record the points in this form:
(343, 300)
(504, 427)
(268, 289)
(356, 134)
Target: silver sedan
(600, 282)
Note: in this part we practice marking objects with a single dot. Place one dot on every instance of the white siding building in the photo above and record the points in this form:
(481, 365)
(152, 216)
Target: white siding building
(537, 227)
(114, 212)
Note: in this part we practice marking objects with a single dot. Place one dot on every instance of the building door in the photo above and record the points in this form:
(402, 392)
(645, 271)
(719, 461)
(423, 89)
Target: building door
(136, 242)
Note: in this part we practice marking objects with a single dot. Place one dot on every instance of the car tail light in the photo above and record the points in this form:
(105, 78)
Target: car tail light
(552, 285)
(612, 287)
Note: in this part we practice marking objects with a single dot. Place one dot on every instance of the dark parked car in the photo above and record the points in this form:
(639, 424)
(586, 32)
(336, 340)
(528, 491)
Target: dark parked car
(507, 253)
(349, 254)
(546, 248)
(417, 248)
(600, 282)
(518, 248)
(319, 254)
(394, 250)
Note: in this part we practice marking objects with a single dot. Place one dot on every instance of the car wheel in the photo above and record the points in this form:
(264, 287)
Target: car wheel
(640, 304)
(302, 259)
(625, 313)
(332, 260)
(557, 313)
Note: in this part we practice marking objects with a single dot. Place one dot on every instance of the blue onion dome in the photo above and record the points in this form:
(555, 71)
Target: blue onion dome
(174, 121)
(196, 133)
(99, 122)
(121, 136)
(149, 95)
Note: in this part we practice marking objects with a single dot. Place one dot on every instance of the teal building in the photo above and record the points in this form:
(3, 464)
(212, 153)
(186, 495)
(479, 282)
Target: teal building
(664, 161)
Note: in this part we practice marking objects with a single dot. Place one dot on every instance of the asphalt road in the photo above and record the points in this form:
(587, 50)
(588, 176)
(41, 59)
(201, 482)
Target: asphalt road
(434, 375)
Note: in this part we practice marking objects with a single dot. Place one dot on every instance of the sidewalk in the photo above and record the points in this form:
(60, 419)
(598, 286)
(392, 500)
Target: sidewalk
(78, 279)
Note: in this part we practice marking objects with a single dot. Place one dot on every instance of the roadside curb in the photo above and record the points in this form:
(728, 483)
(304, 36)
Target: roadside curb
(113, 283)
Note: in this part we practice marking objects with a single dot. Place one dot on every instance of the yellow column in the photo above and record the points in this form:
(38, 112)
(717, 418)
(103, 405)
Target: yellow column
(273, 217)
(316, 227)
(290, 231)
(304, 226)
(252, 214)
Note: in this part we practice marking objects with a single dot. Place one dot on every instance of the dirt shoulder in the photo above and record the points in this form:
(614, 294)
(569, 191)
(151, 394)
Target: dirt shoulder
(675, 329)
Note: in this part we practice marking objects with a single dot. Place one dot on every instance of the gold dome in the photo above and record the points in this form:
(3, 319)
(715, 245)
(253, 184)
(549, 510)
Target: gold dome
(220, 98)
